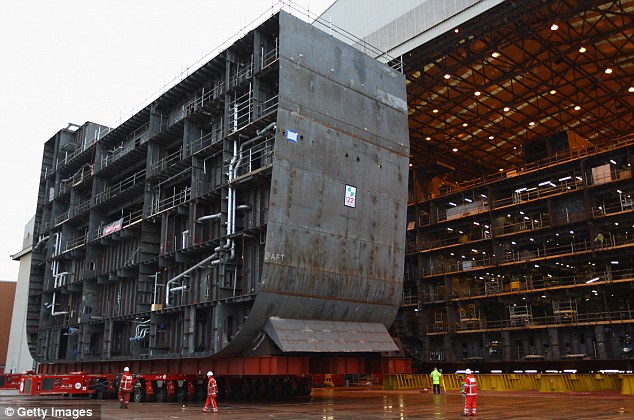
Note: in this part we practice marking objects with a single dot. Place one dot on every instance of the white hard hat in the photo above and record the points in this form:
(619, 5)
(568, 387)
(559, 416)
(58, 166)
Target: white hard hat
(210, 373)
(126, 369)
(467, 371)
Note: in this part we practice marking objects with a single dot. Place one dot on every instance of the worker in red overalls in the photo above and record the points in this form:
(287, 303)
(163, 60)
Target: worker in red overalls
(212, 392)
(125, 388)
(470, 391)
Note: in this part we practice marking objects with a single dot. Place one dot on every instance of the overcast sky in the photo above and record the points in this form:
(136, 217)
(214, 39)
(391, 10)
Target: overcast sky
(72, 61)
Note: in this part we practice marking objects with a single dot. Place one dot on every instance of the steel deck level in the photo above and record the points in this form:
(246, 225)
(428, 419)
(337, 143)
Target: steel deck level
(356, 402)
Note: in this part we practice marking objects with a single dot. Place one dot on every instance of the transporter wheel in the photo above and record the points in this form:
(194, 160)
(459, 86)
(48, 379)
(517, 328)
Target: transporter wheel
(199, 393)
(138, 395)
(180, 394)
(159, 396)
(99, 394)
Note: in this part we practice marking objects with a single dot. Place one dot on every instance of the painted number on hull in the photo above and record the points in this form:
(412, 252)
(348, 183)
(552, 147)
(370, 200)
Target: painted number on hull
(269, 256)
(351, 196)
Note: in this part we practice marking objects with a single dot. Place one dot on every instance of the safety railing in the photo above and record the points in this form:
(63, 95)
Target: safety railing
(73, 212)
(581, 318)
(528, 223)
(205, 97)
(488, 286)
(207, 140)
(130, 219)
(270, 57)
(241, 110)
(409, 297)
(444, 266)
(118, 188)
(244, 72)
(554, 160)
(133, 141)
(167, 161)
(78, 241)
(257, 157)
(456, 239)
(178, 198)
(84, 173)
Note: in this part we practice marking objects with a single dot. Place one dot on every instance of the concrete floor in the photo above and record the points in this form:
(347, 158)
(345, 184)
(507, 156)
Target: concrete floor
(358, 404)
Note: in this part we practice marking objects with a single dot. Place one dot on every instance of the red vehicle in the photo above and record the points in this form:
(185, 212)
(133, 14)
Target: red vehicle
(12, 380)
(74, 383)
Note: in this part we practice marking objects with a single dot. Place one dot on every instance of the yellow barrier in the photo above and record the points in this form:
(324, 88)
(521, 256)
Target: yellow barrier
(627, 384)
(585, 382)
(509, 382)
(404, 381)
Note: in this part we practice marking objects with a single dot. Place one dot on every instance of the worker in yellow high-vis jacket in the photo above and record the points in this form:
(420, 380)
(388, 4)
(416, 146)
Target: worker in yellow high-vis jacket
(435, 380)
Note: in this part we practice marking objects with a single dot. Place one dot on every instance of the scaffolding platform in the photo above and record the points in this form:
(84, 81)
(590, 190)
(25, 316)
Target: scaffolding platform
(565, 311)
(520, 315)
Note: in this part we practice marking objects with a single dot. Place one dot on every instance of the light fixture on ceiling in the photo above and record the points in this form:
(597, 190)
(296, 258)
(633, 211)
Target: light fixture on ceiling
(410, 165)
(435, 111)
(491, 137)
(507, 109)
(532, 123)
(631, 89)
(477, 93)
(447, 76)
(465, 124)
(608, 71)
(553, 91)
(427, 138)
(455, 149)
(495, 54)
(582, 49)
(577, 107)
(554, 27)
(456, 30)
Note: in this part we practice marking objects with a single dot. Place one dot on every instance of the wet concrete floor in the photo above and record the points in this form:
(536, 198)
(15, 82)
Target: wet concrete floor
(345, 403)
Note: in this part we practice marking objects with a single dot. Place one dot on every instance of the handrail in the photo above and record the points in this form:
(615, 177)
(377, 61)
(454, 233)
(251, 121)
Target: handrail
(554, 160)
(116, 189)
(535, 254)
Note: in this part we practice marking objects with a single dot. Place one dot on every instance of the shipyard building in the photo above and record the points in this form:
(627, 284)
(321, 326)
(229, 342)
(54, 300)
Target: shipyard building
(520, 212)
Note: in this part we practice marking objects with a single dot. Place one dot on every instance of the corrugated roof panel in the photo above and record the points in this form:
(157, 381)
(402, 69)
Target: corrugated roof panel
(299, 335)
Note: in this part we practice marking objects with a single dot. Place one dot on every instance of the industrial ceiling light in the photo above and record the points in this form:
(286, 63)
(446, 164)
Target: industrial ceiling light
(507, 109)
(491, 137)
(577, 108)
(465, 124)
(631, 89)
(455, 149)
(495, 54)
(608, 71)
(447, 76)
(553, 91)
(582, 50)
(477, 93)
(532, 123)
(554, 27)
(435, 111)
(427, 138)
